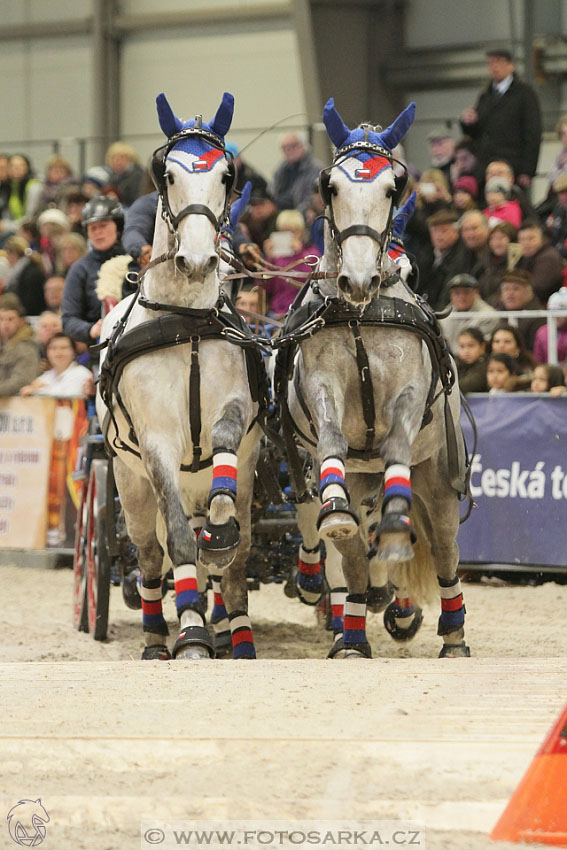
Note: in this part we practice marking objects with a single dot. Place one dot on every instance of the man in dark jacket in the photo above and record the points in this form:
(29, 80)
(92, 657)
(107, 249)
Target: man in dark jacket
(506, 122)
(293, 179)
(450, 257)
(103, 220)
(516, 293)
(541, 259)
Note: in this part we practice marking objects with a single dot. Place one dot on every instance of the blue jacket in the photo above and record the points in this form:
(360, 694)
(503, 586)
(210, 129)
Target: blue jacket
(81, 308)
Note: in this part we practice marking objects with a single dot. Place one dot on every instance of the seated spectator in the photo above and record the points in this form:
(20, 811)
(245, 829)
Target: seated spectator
(314, 223)
(474, 233)
(508, 340)
(259, 219)
(251, 299)
(53, 225)
(557, 301)
(65, 378)
(72, 247)
(471, 361)
(26, 276)
(501, 235)
(501, 370)
(466, 162)
(516, 293)
(94, 180)
(47, 326)
(442, 150)
(540, 259)
(549, 379)
(126, 172)
(245, 172)
(559, 167)
(25, 191)
(501, 168)
(465, 193)
(279, 290)
(448, 258)
(499, 206)
(556, 222)
(59, 181)
(74, 204)
(53, 293)
(433, 191)
(464, 298)
(19, 354)
(29, 231)
(293, 179)
(5, 185)
(4, 270)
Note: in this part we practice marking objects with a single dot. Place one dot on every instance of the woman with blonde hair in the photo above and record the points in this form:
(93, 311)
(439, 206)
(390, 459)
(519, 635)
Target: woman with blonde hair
(26, 276)
(127, 172)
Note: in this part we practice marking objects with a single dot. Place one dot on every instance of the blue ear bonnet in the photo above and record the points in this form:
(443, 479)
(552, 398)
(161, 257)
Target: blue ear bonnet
(341, 135)
(403, 216)
(196, 145)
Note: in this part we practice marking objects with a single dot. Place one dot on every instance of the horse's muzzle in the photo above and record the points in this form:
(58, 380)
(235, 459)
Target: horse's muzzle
(358, 291)
(196, 265)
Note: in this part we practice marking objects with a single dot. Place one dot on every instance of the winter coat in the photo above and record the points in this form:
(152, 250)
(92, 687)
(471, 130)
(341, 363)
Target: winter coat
(19, 362)
(292, 186)
(81, 308)
(546, 266)
(27, 284)
(472, 376)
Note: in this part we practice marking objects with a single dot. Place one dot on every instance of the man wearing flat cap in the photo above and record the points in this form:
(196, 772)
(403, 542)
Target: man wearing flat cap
(506, 121)
(464, 298)
(441, 150)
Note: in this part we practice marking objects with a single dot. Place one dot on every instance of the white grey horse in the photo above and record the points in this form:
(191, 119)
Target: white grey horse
(369, 392)
(181, 415)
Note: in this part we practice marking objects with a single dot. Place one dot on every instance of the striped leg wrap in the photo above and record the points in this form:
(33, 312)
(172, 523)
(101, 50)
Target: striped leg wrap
(338, 598)
(397, 483)
(224, 474)
(186, 590)
(309, 574)
(403, 610)
(452, 606)
(332, 481)
(355, 619)
(242, 640)
(152, 613)
(219, 616)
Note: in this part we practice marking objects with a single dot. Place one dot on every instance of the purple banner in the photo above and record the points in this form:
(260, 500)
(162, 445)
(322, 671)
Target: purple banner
(519, 481)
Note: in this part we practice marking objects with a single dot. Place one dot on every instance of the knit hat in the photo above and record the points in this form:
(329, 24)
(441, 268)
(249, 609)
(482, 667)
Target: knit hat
(558, 300)
(54, 216)
(98, 174)
(498, 184)
(468, 184)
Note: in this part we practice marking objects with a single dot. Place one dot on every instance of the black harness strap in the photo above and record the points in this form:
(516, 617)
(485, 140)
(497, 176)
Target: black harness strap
(366, 388)
(195, 404)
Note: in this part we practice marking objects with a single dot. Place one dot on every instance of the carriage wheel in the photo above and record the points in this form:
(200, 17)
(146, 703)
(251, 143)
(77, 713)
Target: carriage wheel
(80, 599)
(98, 557)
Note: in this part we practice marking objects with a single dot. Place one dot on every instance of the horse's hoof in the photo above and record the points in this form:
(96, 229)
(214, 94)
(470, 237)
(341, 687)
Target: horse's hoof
(338, 526)
(157, 652)
(458, 650)
(222, 642)
(395, 547)
(218, 543)
(130, 593)
(290, 589)
(193, 642)
(310, 595)
(378, 598)
(349, 650)
(395, 630)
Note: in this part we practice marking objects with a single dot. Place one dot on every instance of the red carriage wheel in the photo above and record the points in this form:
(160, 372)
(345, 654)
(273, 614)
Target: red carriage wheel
(80, 600)
(98, 557)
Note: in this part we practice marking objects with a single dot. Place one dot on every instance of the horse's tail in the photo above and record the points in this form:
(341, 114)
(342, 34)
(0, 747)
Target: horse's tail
(418, 576)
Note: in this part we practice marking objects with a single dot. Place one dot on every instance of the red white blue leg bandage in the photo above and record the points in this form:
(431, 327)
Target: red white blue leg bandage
(332, 481)
(397, 483)
(224, 474)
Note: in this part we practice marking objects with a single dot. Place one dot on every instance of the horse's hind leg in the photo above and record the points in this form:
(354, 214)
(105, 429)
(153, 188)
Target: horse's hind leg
(140, 510)
(440, 507)
(219, 537)
(394, 535)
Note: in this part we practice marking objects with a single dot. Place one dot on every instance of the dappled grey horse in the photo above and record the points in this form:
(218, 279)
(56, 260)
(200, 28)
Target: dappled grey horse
(365, 380)
(181, 389)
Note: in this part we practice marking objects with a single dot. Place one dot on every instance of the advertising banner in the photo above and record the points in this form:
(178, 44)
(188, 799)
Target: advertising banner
(519, 481)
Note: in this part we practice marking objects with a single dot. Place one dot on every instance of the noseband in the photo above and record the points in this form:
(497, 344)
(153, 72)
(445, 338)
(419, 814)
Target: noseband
(339, 236)
(160, 179)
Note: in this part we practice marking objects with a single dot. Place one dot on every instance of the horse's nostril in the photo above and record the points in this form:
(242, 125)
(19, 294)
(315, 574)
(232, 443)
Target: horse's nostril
(375, 283)
(212, 263)
(344, 284)
(181, 264)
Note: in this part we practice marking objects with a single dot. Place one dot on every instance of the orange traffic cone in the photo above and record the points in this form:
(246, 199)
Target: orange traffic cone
(537, 811)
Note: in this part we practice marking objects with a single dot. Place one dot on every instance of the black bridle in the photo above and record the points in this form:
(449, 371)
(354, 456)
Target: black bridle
(339, 236)
(161, 179)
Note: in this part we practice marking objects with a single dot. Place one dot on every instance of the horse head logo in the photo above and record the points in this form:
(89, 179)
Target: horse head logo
(26, 823)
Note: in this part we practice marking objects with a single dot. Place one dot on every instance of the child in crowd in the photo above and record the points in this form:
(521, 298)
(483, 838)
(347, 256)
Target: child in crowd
(251, 299)
(499, 207)
(284, 251)
(471, 361)
(66, 378)
(549, 379)
(500, 372)
(508, 340)
(465, 193)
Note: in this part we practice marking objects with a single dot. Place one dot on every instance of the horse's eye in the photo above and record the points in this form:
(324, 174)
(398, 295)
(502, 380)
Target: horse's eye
(170, 179)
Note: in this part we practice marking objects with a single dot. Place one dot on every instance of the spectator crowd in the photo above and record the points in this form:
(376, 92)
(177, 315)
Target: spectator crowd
(479, 244)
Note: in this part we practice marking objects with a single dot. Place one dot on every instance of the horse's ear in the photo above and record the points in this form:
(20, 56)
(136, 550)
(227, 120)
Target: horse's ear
(336, 127)
(240, 205)
(223, 119)
(168, 121)
(393, 134)
(403, 216)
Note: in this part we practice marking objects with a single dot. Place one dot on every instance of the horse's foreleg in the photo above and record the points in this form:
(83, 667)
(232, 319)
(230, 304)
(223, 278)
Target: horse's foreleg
(140, 510)
(220, 537)
(309, 580)
(394, 535)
